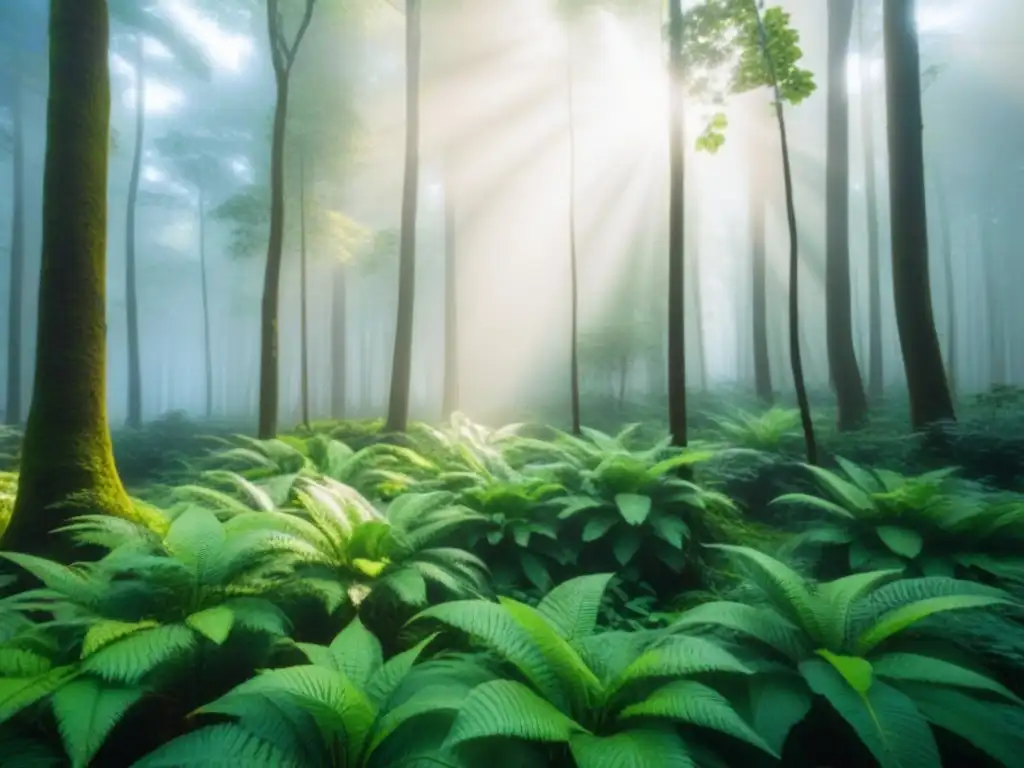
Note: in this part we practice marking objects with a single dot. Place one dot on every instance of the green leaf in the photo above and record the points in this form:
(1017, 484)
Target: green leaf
(884, 719)
(573, 606)
(693, 703)
(598, 525)
(857, 672)
(213, 623)
(670, 529)
(107, 631)
(634, 507)
(357, 652)
(87, 711)
(912, 667)
(777, 703)
(131, 658)
(637, 748)
(510, 709)
(626, 545)
(227, 746)
(905, 542)
(897, 620)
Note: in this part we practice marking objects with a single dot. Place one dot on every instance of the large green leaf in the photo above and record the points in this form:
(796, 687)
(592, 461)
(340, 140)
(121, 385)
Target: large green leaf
(509, 709)
(634, 507)
(87, 710)
(572, 607)
(227, 746)
(913, 667)
(884, 719)
(638, 748)
(897, 620)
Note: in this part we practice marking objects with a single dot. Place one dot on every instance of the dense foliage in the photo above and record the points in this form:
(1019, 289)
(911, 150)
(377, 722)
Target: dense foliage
(522, 597)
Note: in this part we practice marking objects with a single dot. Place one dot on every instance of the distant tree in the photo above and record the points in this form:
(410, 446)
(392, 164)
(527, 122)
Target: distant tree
(930, 399)
(67, 464)
(282, 56)
(851, 399)
(401, 366)
(22, 68)
(142, 20)
(200, 158)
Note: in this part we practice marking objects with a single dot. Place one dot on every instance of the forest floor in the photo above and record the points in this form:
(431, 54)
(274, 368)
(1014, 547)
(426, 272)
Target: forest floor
(721, 605)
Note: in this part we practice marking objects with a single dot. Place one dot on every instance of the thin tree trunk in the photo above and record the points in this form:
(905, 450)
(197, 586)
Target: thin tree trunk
(876, 381)
(283, 56)
(698, 299)
(130, 280)
(574, 362)
(401, 366)
(796, 361)
(67, 464)
(930, 400)
(303, 298)
(339, 341)
(12, 413)
(947, 263)
(676, 225)
(993, 305)
(450, 397)
(207, 348)
(759, 285)
(851, 400)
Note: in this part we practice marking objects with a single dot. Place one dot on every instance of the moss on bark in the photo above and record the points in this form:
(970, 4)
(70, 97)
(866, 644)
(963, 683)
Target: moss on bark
(67, 459)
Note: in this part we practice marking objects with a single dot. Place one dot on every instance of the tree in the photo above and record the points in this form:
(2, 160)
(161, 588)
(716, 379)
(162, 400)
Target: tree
(67, 461)
(282, 56)
(401, 366)
(143, 20)
(22, 66)
(930, 400)
(867, 123)
(198, 157)
(851, 400)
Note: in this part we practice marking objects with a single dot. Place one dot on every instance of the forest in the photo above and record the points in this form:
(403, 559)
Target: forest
(511, 383)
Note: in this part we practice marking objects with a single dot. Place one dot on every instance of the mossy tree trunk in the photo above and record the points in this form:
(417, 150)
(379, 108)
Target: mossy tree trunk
(16, 275)
(67, 460)
(283, 57)
(851, 399)
(401, 365)
(130, 279)
(930, 400)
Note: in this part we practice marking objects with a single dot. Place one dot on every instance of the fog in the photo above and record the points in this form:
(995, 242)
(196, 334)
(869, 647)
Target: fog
(495, 157)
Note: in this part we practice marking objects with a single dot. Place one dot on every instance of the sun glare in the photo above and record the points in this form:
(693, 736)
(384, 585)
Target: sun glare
(226, 52)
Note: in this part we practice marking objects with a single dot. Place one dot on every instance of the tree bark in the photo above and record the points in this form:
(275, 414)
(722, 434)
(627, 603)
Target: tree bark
(947, 263)
(676, 225)
(15, 306)
(130, 280)
(851, 400)
(67, 464)
(401, 365)
(930, 400)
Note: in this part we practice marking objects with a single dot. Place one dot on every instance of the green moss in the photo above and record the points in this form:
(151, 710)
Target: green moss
(67, 464)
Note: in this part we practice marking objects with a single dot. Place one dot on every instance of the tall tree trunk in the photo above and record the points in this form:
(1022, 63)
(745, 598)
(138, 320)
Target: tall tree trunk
(450, 397)
(851, 400)
(698, 299)
(303, 298)
(796, 361)
(947, 263)
(207, 349)
(15, 299)
(67, 464)
(876, 381)
(574, 300)
(401, 366)
(130, 280)
(993, 304)
(676, 224)
(339, 341)
(759, 283)
(283, 57)
(930, 400)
